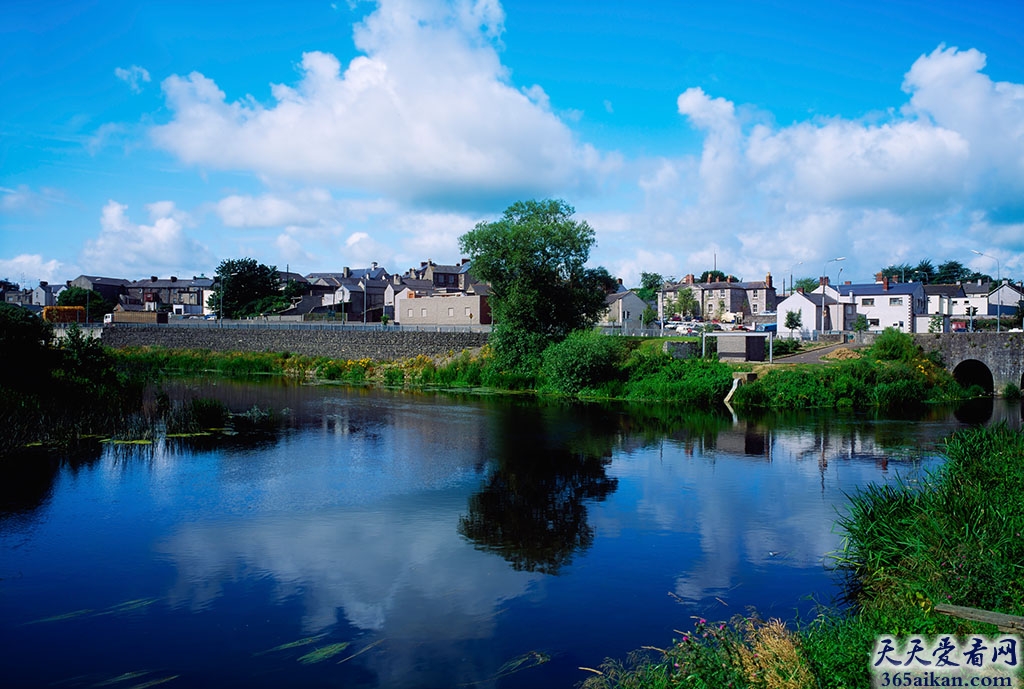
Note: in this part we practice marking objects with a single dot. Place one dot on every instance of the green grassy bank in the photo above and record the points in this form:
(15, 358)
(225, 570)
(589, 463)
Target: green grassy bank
(954, 539)
(893, 374)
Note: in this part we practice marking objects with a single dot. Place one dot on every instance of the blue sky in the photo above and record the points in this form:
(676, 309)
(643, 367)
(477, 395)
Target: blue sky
(159, 138)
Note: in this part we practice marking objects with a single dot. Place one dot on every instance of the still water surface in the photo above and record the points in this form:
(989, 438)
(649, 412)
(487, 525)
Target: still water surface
(375, 539)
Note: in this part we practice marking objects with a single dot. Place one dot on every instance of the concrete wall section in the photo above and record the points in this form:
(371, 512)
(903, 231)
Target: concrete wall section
(336, 344)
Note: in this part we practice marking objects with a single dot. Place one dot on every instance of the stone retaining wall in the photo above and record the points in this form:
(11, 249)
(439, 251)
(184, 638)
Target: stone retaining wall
(336, 344)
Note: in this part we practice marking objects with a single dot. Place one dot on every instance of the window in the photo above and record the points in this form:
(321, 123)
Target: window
(468, 312)
(873, 322)
(409, 314)
(423, 313)
(868, 301)
(721, 292)
(451, 312)
(753, 308)
(895, 301)
(755, 294)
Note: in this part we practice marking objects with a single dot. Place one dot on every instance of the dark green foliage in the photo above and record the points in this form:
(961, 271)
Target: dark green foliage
(894, 345)
(246, 288)
(794, 321)
(650, 283)
(57, 394)
(892, 386)
(808, 285)
(1011, 392)
(26, 339)
(79, 296)
(783, 345)
(952, 539)
(394, 377)
(653, 375)
(461, 371)
(534, 258)
(712, 276)
(582, 360)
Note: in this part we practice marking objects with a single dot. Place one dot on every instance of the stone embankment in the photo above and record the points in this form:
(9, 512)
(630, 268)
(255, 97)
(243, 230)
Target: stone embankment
(383, 345)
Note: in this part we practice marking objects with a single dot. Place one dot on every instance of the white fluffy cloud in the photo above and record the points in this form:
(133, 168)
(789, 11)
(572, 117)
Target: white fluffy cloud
(932, 179)
(427, 112)
(28, 269)
(271, 210)
(124, 248)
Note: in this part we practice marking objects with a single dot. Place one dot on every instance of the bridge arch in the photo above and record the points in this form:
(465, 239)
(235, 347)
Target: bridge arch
(973, 372)
(991, 360)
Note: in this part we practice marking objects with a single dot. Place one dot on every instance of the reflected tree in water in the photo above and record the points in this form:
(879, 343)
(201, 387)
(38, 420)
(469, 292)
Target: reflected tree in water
(532, 509)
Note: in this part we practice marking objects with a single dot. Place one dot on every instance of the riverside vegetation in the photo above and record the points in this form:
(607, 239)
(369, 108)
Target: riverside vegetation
(954, 539)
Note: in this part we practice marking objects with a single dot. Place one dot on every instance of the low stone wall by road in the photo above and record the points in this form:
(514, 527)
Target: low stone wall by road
(336, 344)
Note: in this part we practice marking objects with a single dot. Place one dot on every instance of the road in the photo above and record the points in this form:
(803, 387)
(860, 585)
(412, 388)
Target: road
(811, 357)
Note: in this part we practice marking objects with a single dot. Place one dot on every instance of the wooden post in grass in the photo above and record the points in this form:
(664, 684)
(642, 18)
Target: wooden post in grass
(1005, 623)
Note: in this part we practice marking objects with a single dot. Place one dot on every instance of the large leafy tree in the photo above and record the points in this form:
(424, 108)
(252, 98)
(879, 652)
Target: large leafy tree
(807, 284)
(685, 304)
(713, 276)
(79, 296)
(950, 272)
(246, 288)
(650, 283)
(534, 258)
(924, 272)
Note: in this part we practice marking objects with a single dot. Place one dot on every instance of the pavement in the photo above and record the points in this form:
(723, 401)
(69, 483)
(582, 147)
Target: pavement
(813, 356)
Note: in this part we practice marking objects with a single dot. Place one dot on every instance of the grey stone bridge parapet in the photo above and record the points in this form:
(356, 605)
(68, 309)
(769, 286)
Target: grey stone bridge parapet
(1001, 353)
(378, 345)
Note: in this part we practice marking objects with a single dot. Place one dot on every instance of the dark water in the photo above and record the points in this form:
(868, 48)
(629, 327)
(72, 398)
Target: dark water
(449, 542)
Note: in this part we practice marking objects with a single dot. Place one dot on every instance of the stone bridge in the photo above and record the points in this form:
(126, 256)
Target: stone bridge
(991, 360)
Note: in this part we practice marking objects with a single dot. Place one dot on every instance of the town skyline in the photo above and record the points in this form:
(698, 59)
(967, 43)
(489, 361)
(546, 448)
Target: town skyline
(152, 139)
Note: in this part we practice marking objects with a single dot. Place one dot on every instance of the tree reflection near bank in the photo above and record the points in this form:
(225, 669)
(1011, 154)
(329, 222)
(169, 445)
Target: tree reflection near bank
(532, 508)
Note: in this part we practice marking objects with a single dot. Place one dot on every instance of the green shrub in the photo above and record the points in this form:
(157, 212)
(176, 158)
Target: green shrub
(782, 346)
(584, 359)
(1011, 392)
(894, 345)
(461, 371)
(394, 377)
(703, 382)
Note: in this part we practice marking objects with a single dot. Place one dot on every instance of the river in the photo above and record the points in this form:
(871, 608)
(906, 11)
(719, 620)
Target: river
(363, 538)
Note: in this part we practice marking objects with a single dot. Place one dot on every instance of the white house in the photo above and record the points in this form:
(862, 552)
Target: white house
(975, 300)
(624, 311)
(809, 308)
(903, 306)
(1004, 299)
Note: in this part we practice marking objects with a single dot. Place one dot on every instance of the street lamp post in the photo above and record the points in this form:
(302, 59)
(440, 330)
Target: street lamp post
(223, 289)
(999, 281)
(823, 284)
